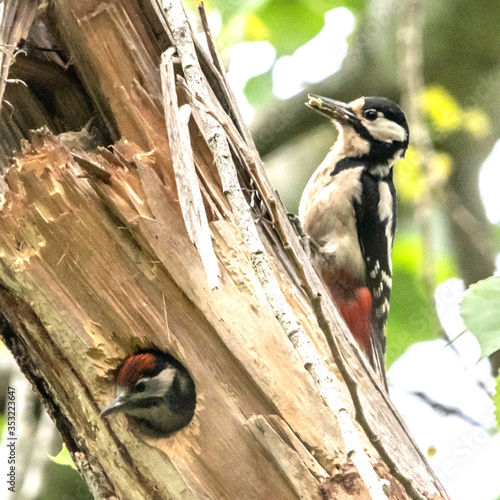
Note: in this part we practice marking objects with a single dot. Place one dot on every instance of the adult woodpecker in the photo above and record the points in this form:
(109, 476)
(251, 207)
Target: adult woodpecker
(156, 392)
(348, 210)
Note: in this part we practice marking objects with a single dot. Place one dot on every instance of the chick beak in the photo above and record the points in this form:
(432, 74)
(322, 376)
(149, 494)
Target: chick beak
(118, 405)
(335, 110)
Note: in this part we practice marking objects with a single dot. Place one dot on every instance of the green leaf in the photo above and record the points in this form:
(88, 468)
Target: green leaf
(229, 9)
(259, 89)
(480, 310)
(445, 267)
(412, 317)
(290, 23)
(447, 116)
(64, 458)
(496, 401)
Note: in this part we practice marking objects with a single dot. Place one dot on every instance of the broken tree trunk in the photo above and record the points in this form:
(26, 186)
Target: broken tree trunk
(156, 226)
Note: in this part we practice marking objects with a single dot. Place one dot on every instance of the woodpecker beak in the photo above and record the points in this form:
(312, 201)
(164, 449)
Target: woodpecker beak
(118, 405)
(335, 110)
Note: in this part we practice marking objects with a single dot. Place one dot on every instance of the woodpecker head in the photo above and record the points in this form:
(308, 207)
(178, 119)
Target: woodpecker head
(156, 391)
(372, 128)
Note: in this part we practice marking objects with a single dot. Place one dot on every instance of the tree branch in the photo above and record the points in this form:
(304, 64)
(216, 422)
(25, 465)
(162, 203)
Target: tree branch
(219, 146)
(96, 262)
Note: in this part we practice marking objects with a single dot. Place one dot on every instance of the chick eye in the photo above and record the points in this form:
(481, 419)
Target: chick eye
(371, 114)
(140, 387)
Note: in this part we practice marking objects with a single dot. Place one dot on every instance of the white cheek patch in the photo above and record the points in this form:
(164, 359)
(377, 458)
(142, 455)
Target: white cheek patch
(158, 385)
(385, 130)
(166, 377)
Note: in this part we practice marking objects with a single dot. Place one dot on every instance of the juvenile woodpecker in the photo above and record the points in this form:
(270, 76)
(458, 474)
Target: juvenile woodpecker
(348, 210)
(156, 392)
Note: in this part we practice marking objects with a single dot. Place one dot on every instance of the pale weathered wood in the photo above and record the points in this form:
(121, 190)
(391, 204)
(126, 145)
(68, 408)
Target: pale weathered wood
(219, 145)
(95, 264)
(188, 188)
(16, 18)
(119, 288)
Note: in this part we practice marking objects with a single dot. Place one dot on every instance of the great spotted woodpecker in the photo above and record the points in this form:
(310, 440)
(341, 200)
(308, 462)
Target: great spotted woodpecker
(348, 210)
(156, 392)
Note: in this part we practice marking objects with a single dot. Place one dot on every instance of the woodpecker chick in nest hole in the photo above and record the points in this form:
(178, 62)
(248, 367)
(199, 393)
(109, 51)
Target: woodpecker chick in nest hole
(156, 392)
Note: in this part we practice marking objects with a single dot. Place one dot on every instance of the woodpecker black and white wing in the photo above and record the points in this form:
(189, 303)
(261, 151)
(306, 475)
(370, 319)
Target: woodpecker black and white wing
(376, 222)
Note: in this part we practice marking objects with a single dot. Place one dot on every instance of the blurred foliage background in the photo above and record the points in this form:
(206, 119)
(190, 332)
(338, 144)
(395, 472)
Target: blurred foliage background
(441, 62)
(450, 51)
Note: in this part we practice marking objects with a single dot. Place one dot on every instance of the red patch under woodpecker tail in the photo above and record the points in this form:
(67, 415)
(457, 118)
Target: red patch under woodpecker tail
(356, 312)
(354, 302)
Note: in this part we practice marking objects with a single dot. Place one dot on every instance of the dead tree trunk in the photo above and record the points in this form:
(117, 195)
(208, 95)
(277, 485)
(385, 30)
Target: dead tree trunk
(133, 233)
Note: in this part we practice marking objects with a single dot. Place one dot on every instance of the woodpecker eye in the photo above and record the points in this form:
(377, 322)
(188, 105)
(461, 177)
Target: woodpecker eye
(140, 386)
(371, 114)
